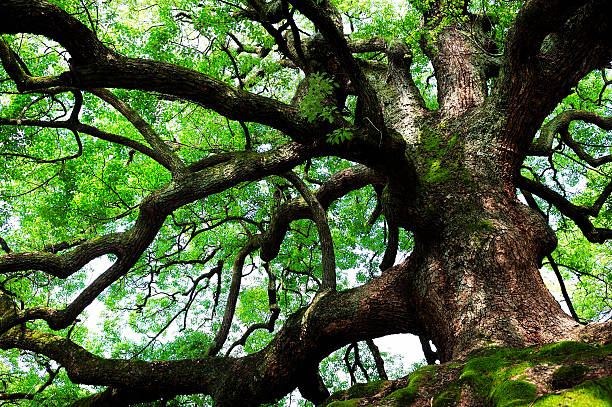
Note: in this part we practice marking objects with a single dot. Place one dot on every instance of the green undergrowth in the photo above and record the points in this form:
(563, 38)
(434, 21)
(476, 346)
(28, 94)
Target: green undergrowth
(500, 377)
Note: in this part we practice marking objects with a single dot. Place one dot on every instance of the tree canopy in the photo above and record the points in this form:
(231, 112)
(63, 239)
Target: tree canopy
(202, 200)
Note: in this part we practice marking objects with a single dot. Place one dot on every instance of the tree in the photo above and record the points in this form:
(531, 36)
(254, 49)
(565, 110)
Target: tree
(234, 128)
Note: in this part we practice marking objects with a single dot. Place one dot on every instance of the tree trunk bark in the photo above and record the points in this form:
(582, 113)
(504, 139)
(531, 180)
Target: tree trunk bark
(478, 282)
(474, 272)
(475, 267)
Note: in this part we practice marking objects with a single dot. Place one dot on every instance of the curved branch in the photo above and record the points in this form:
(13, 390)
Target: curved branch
(23, 80)
(372, 44)
(52, 160)
(535, 20)
(560, 125)
(87, 129)
(319, 216)
(552, 45)
(579, 214)
(129, 245)
(133, 244)
(391, 249)
(336, 186)
(430, 355)
(245, 166)
(232, 297)
(566, 296)
(269, 242)
(378, 360)
(66, 264)
(5, 246)
(273, 307)
(553, 264)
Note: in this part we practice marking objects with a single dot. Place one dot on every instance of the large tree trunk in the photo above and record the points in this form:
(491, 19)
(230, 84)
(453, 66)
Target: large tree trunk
(478, 281)
(475, 276)
(475, 268)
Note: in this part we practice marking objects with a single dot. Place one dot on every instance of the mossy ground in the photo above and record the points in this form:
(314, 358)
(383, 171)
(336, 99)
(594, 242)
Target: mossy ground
(408, 394)
(560, 374)
(592, 393)
(355, 392)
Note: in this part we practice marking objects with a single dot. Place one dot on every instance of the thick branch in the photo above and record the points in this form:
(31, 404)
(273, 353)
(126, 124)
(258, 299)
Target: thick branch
(269, 13)
(274, 312)
(372, 44)
(378, 360)
(129, 245)
(340, 184)
(5, 246)
(460, 48)
(242, 167)
(336, 186)
(552, 45)
(409, 96)
(391, 249)
(536, 19)
(96, 66)
(331, 321)
(232, 297)
(134, 243)
(326, 18)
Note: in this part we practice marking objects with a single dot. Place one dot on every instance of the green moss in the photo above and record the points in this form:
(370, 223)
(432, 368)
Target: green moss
(604, 350)
(492, 377)
(480, 373)
(438, 174)
(493, 374)
(430, 142)
(498, 377)
(568, 376)
(594, 393)
(403, 397)
(484, 225)
(453, 365)
(358, 391)
(406, 395)
(347, 403)
(554, 350)
(366, 389)
(513, 393)
(448, 398)
(442, 159)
